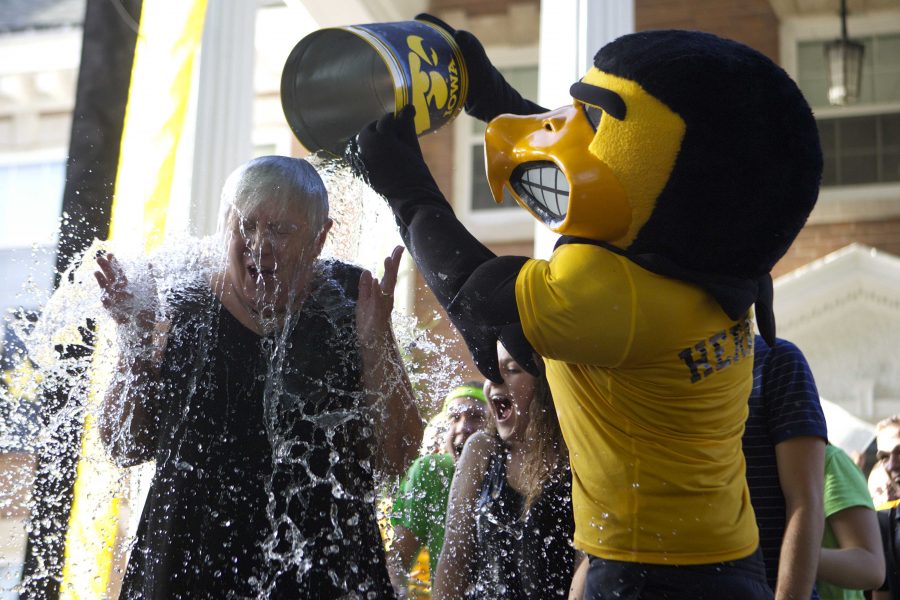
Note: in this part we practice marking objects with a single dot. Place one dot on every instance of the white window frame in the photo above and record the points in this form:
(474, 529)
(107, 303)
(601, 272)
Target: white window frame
(278, 137)
(512, 225)
(846, 202)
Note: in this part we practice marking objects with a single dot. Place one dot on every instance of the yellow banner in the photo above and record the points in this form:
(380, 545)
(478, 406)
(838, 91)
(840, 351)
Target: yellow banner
(168, 43)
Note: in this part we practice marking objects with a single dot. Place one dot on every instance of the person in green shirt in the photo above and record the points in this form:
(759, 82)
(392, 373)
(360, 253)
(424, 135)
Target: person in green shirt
(420, 506)
(852, 558)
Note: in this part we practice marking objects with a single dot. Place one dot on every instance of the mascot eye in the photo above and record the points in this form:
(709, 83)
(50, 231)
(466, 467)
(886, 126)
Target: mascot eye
(593, 115)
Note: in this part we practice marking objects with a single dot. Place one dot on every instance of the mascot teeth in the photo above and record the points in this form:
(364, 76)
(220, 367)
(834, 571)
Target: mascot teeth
(544, 187)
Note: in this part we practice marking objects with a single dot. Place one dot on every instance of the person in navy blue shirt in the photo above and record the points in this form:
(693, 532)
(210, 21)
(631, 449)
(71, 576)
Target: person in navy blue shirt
(784, 445)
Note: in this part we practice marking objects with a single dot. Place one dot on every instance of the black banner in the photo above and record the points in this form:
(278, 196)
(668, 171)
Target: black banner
(107, 55)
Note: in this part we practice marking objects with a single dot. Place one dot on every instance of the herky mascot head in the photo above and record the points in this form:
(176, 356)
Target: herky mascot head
(696, 156)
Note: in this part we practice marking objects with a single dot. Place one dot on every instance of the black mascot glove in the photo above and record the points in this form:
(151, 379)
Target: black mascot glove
(387, 156)
(489, 93)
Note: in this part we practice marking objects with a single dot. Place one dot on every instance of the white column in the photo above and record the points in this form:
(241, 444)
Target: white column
(224, 106)
(864, 397)
(571, 33)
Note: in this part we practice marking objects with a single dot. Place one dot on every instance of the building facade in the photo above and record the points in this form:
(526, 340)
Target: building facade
(837, 289)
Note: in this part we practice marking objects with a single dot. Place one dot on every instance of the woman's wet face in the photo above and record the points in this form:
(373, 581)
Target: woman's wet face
(271, 252)
(510, 401)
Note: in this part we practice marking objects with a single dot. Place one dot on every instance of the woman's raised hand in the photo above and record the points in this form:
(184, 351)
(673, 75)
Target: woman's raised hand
(118, 298)
(376, 301)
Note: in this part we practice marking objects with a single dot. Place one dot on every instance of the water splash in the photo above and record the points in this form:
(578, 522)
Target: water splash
(69, 344)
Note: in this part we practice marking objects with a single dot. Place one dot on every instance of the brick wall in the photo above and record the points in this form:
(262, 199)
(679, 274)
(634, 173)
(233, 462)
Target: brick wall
(752, 22)
(815, 241)
(475, 8)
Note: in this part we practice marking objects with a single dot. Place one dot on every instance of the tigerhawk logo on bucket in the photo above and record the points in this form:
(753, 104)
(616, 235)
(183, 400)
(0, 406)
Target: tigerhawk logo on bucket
(430, 88)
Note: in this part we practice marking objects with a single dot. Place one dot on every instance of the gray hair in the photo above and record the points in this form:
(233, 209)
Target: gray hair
(892, 421)
(290, 182)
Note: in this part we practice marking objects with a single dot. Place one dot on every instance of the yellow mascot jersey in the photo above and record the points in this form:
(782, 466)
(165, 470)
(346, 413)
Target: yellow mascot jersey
(650, 379)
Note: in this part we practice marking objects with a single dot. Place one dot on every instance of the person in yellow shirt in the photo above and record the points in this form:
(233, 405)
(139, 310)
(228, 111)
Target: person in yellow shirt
(681, 172)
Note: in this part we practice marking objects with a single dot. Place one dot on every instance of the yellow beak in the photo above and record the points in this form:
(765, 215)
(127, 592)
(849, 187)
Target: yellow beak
(544, 162)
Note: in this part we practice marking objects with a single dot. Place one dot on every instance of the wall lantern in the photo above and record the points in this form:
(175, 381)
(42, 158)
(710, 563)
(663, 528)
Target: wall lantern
(843, 61)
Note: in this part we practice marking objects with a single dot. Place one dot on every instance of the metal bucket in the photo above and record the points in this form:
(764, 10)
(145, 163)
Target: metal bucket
(339, 79)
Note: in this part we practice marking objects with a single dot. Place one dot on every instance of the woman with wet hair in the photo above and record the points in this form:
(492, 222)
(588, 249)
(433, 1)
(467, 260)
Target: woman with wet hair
(509, 521)
(271, 394)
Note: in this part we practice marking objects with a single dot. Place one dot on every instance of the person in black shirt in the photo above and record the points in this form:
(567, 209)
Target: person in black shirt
(509, 518)
(271, 395)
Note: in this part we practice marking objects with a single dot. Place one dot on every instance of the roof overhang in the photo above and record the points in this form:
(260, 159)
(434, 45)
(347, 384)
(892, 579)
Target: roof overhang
(843, 312)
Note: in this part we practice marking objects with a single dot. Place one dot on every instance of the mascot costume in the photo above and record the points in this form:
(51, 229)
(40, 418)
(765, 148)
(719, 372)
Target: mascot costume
(681, 172)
